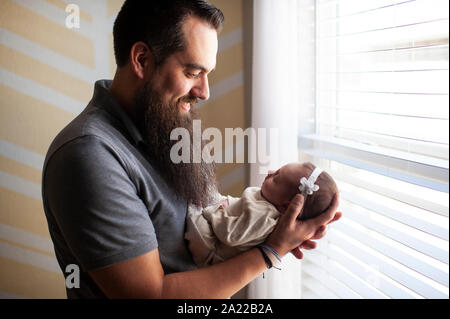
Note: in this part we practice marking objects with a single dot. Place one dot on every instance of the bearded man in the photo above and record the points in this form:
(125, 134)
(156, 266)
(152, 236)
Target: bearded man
(114, 201)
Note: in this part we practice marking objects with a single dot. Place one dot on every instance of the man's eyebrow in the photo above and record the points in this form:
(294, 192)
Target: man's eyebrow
(198, 67)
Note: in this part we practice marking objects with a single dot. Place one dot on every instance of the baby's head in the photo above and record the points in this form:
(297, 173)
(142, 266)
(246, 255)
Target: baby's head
(281, 186)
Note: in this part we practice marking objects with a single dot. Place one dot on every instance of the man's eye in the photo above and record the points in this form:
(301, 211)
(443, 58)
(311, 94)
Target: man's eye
(192, 75)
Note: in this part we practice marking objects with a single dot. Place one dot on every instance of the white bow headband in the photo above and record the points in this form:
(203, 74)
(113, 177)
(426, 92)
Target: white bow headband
(307, 186)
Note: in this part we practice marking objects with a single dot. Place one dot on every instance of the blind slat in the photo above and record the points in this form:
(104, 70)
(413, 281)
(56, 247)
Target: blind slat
(348, 8)
(438, 230)
(424, 244)
(328, 281)
(369, 273)
(424, 82)
(397, 192)
(349, 33)
(441, 166)
(377, 271)
(379, 124)
(431, 175)
(404, 257)
(308, 294)
(356, 283)
(369, 112)
(442, 44)
(397, 104)
(395, 272)
(355, 8)
(388, 71)
(386, 39)
(424, 149)
(411, 128)
(443, 187)
(426, 94)
(350, 127)
(317, 290)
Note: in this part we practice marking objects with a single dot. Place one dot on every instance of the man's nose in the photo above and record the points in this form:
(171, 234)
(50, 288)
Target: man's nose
(201, 89)
(270, 172)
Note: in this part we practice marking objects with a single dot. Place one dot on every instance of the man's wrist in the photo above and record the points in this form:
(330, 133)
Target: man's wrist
(271, 256)
(266, 258)
(278, 248)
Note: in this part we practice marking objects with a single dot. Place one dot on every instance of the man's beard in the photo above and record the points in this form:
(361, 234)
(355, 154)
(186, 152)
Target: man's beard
(195, 182)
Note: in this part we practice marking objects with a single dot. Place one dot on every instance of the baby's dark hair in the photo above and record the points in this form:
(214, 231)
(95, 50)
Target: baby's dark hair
(319, 201)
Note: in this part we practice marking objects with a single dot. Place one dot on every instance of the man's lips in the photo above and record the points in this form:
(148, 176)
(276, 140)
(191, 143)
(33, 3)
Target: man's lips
(185, 106)
(187, 103)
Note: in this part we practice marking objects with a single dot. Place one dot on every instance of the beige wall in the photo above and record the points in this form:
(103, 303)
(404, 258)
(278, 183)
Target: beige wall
(47, 73)
(226, 107)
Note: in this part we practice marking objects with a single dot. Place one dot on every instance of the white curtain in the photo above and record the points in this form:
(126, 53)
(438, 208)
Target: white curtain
(275, 105)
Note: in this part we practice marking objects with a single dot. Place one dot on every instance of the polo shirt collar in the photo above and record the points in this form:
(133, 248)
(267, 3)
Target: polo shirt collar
(103, 99)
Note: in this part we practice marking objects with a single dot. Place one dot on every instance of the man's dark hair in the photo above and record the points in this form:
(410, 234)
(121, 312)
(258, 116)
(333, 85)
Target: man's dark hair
(158, 23)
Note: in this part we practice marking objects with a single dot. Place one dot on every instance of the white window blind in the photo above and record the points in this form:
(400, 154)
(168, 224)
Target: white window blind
(375, 114)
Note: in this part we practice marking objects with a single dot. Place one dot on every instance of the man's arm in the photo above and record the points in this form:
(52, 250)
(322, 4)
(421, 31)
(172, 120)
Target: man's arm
(143, 276)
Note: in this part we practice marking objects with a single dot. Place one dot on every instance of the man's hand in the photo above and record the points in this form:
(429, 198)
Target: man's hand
(143, 276)
(292, 234)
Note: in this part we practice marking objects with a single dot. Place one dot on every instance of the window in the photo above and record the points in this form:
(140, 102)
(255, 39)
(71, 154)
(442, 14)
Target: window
(375, 114)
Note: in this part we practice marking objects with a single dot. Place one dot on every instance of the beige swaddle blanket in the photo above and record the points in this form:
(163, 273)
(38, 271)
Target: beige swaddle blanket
(216, 233)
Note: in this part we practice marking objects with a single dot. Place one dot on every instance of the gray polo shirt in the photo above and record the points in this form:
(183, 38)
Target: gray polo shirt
(104, 201)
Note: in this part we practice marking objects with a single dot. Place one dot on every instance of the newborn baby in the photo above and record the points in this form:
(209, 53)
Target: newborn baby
(234, 225)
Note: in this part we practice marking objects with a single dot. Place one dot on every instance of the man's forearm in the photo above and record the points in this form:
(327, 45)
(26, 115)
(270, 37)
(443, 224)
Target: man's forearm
(221, 280)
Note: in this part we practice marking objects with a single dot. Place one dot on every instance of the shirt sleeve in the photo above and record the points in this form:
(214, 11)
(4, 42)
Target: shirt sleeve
(96, 206)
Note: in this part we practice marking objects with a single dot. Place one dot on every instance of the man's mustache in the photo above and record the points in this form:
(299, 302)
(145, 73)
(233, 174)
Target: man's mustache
(192, 100)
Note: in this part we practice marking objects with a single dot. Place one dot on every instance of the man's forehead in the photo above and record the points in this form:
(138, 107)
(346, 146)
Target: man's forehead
(201, 44)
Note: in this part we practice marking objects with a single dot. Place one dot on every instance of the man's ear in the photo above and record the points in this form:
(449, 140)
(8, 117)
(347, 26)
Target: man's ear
(142, 60)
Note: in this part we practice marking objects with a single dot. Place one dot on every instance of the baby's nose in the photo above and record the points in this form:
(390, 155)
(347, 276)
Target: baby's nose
(270, 172)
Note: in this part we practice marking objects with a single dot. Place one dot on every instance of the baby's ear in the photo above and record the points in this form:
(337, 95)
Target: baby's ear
(284, 206)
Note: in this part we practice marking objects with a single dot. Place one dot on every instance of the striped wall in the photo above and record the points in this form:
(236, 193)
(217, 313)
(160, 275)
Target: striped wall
(225, 108)
(47, 74)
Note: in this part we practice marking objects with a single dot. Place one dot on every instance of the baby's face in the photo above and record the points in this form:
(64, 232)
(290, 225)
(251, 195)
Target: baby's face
(280, 186)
